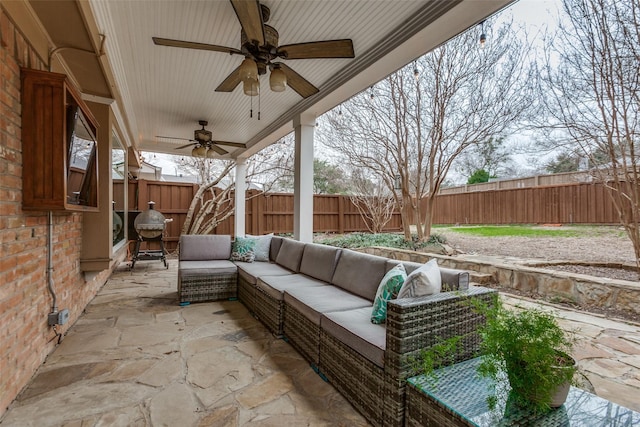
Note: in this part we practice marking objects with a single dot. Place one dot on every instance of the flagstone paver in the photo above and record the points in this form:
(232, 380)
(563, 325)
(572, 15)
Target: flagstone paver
(136, 358)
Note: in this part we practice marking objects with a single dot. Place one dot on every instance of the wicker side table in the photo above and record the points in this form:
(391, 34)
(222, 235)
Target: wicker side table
(456, 396)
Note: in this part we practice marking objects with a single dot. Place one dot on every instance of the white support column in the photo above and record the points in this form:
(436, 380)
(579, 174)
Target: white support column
(240, 200)
(304, 126)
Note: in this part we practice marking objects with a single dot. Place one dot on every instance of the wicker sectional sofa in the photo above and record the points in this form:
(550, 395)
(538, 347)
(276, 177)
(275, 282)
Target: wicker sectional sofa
(320, 299)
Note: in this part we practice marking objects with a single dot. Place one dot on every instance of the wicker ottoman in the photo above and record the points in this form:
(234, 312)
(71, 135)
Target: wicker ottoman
(207, 281)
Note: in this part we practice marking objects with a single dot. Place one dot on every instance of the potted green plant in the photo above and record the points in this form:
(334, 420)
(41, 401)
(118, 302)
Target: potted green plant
(524, 346)
(530, 347)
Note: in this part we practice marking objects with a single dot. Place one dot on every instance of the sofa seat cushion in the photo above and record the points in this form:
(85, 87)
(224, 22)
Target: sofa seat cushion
(274, 286)
(250, 271)
(354, 329)
(312, 302)
(199, 268)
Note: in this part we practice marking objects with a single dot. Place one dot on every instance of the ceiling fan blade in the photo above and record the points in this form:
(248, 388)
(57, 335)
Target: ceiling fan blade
(323, 49)
(230, 144)
(173, 137)
(218, 150)
(298, 83)
(194, 45)
(250, 16)
(230, 83)
(185, 146)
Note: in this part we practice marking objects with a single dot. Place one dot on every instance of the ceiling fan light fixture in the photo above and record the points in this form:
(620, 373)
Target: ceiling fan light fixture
(251, 87)
(211, 154)
(277, 80)
(199, 151)
(248, 70)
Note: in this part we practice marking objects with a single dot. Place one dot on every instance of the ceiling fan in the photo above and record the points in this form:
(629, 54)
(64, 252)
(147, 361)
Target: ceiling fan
(204, 145)
(259, 45)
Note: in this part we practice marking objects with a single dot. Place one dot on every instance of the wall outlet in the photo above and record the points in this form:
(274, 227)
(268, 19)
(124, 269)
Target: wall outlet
(58, 317)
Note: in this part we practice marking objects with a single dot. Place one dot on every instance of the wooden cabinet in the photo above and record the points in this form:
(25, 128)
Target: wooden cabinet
(59, 145)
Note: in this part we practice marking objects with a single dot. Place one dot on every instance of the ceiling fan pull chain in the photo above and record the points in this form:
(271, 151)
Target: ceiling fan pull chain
(251, 109)
(259, 105)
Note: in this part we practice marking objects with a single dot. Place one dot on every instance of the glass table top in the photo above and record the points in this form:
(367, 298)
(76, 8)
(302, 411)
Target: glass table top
(459, 388)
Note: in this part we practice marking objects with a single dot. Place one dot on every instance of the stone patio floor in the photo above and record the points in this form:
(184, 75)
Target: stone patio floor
(137, 358)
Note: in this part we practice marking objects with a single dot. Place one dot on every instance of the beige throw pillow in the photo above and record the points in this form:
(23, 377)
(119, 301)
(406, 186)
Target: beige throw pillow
(425, 280)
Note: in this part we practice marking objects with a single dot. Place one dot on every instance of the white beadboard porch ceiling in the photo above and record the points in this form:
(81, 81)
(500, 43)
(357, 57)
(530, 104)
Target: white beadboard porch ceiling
(166, 90)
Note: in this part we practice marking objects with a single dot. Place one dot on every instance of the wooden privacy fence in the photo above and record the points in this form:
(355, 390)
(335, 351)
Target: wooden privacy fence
(265, 213)
(582, 203)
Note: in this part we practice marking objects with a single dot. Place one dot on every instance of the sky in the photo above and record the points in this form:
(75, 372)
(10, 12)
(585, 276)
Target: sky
(535, 14)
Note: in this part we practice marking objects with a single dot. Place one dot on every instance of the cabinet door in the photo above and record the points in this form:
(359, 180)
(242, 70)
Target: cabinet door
(58, 144)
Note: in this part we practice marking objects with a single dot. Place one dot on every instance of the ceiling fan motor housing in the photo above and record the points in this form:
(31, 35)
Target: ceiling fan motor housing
(261, 54)
(202, 135)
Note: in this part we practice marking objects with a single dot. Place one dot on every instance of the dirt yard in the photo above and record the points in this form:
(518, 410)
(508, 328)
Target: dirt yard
(598, 244)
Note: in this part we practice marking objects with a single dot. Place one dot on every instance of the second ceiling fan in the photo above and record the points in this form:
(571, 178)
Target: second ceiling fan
(259, 45)
(203, 143)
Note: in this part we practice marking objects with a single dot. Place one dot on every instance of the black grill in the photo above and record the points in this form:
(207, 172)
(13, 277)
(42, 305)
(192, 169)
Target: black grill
(150, 226)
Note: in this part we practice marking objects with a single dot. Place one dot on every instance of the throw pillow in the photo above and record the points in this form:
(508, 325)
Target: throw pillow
(243, 249)
(425, 280)
(263, 244)
(387, 290)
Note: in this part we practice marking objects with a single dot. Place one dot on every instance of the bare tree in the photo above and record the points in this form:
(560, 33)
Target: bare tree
(374, 201)
(210, 205)
(591, 85)
(411, 126)
(213, 202)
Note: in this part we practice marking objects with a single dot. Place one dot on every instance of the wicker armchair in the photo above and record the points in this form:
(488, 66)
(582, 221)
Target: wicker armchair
(204, 270)
(378, 392)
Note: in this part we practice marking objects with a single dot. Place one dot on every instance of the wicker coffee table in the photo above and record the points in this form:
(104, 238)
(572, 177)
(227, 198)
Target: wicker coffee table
(456, 396)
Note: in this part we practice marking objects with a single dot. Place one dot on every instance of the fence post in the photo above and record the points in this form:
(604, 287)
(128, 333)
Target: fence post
(143, 195)
(341, 214)
(260, 213)
(255, 228)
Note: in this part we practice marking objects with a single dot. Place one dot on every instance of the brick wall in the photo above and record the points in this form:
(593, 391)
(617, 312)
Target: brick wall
(24, 298)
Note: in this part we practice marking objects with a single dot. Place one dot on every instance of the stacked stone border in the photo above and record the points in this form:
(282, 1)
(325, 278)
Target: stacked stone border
(557, 286)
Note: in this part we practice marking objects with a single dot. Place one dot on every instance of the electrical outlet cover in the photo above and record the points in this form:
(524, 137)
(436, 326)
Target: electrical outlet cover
(63, 316)
(58, 317)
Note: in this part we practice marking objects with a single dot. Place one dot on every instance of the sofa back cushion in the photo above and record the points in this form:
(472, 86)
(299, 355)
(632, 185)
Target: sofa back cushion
(359, 273)
(203, 247)
(319, 261)
(452, 279)
(290, 254)
(276, 243)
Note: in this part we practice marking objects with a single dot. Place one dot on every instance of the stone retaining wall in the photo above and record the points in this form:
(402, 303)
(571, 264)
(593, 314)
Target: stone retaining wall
(557, 286)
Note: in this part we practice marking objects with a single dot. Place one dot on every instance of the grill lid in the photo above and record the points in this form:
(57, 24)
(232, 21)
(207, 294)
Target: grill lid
(150, 223)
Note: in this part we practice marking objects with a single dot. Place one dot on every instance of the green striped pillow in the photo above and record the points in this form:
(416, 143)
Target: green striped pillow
(387, 290)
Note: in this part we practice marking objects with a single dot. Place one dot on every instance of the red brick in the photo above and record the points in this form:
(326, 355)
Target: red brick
(7, 30)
